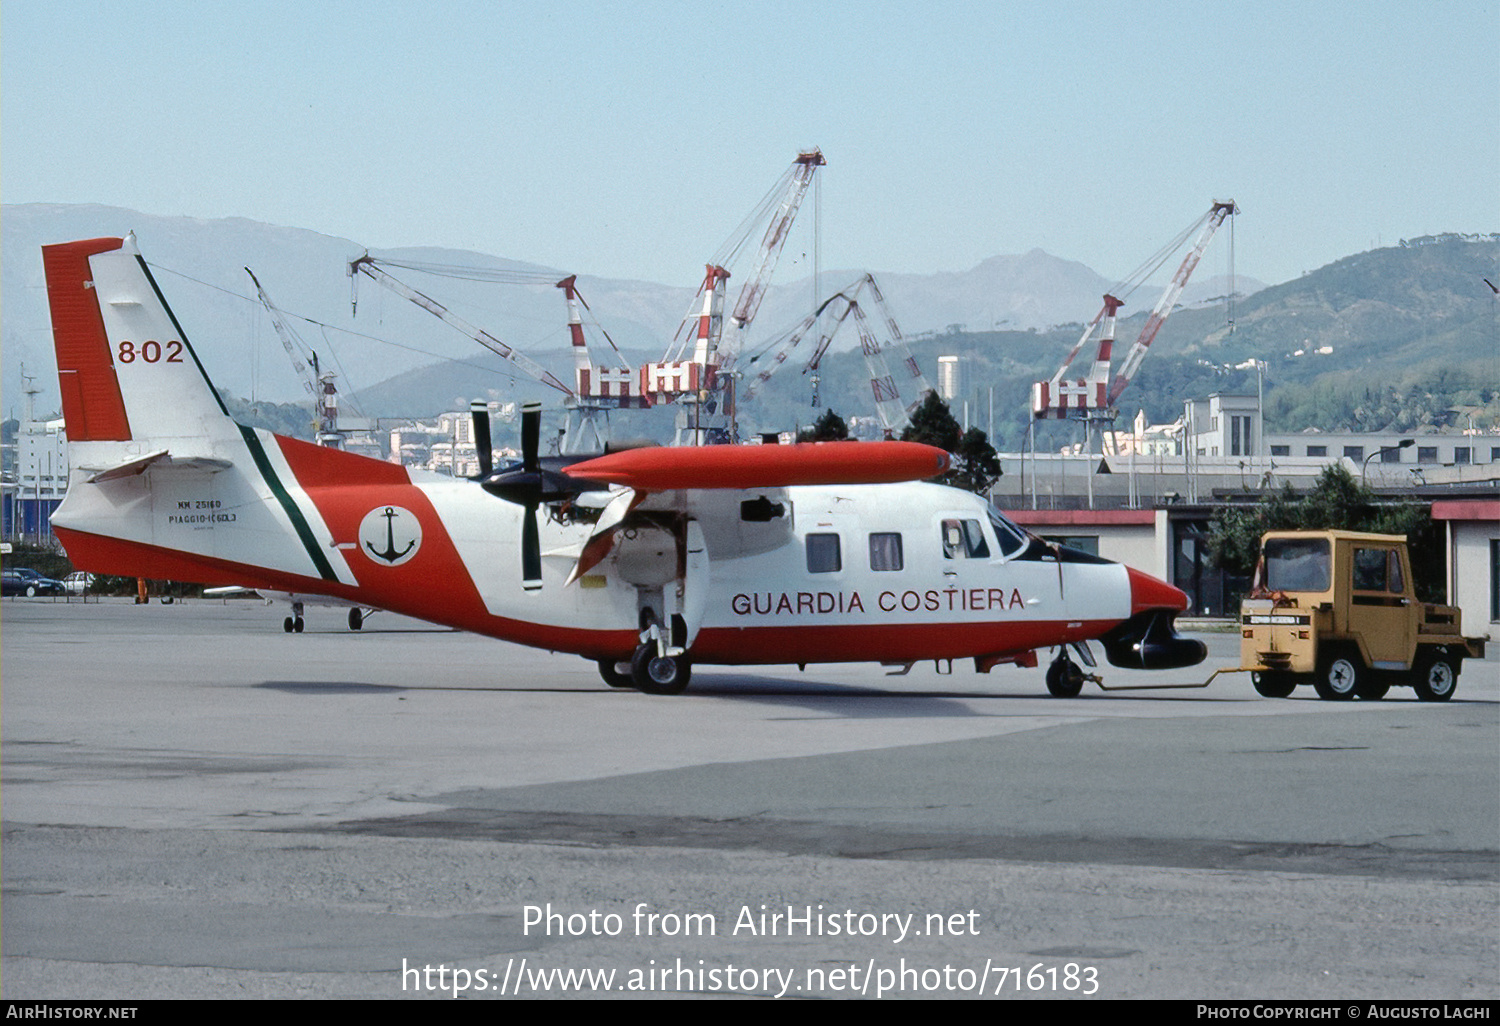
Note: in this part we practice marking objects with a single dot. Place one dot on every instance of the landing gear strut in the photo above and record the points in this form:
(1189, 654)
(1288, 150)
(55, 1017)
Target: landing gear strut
(293, 623)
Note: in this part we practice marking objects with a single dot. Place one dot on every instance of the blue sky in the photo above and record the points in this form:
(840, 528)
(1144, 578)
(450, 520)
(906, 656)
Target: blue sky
(629, 139)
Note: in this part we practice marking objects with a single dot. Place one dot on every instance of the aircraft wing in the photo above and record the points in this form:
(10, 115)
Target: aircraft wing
(763, 466)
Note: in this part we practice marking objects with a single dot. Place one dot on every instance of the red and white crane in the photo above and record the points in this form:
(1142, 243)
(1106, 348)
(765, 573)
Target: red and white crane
(705, 380)
(1094, 396)
(597, 389)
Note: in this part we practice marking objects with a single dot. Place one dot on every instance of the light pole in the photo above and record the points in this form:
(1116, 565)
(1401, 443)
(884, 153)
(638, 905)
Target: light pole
(1405, 443)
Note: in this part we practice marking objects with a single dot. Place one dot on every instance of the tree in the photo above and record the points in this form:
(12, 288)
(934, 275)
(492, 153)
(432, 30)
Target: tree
(932, 423)
(1337, 502)
(978, 463)
(829, 428)
(975, 465)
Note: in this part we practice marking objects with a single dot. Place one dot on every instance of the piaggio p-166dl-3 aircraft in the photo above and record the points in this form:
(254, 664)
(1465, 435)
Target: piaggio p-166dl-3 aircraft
(646, 560)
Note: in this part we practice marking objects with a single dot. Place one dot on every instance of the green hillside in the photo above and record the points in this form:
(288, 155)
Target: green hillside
(1412, 335)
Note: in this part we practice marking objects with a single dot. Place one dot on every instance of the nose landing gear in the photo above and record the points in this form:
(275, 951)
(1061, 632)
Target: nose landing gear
(1065, 678)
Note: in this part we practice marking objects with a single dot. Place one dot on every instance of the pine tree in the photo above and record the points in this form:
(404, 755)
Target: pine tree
(975, 465)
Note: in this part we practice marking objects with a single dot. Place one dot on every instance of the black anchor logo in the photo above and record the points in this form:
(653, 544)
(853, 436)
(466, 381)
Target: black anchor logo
(390, 555)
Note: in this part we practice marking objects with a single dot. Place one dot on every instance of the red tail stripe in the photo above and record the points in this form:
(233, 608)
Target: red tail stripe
(92, 404)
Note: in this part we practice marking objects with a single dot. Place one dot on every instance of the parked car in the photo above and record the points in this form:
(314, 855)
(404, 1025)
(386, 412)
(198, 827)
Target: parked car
(78, 582)
(24, 581)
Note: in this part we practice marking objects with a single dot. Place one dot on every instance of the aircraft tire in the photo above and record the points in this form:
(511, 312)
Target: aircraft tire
(1437, 678)
(1274, 685)
(1340, 676)
(659, 675)
(356, 618)
(1064, 679)
(613, 677)
(288, 625)
(297, 625)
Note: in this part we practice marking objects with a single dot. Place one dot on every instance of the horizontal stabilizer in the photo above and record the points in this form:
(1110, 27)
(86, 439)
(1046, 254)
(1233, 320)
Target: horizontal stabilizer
(161, 459)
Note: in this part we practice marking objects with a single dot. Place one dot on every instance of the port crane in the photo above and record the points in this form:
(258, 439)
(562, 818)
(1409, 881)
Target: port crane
(596, 389)
(841, 306)
(704, 380)
(1093, 398)
(701, 380)
(318, 382)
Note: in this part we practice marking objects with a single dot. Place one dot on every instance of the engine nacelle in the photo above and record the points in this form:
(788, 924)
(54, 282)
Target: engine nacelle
(1149, 641)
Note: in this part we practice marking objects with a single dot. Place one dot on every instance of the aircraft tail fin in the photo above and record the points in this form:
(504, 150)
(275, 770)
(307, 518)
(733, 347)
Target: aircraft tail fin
(125, 368)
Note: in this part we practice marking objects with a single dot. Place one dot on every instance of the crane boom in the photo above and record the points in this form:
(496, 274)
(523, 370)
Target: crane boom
(1093, 396)
(366, 265)
(798, 179)
(1164, 305)
(883, 385)
(317, 382)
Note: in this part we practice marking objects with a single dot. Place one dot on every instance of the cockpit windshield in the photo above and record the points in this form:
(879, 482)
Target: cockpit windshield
(1010, 537)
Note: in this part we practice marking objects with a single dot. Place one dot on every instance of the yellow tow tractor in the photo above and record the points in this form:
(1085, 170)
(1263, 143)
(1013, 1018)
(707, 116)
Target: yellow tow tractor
(1338, 610)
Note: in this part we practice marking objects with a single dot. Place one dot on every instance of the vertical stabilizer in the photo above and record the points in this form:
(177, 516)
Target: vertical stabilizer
(126, 370)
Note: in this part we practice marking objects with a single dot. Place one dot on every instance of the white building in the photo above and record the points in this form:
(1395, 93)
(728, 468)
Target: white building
(41, 481)
(950, 383)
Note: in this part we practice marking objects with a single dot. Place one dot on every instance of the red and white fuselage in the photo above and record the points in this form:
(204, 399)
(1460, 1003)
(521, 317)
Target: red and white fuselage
(792, 554)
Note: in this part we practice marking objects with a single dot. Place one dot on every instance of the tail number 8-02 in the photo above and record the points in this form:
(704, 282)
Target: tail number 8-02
(150, 352)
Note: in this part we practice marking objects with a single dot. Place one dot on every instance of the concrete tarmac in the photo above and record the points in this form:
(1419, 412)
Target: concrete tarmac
(196, 804)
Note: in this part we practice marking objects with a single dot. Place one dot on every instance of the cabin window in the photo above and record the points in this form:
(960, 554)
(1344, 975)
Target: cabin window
(823, 554)
(963, 539)
(885, 551)
(1393, 575)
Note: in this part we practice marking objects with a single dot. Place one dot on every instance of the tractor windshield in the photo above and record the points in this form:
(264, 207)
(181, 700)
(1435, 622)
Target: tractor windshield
(1297, 564)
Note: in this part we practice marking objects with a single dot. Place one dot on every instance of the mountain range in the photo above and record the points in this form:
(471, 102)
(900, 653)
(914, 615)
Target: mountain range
(200, 266)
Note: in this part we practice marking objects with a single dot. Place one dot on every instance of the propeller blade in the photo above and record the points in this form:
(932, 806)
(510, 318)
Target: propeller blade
(531, 433)
(480, 412)
(531, 551)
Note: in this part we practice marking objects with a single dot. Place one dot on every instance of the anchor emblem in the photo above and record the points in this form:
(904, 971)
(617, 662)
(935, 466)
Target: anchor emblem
(383, 540)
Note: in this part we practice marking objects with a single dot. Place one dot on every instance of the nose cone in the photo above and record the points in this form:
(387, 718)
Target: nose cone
(1146, 592)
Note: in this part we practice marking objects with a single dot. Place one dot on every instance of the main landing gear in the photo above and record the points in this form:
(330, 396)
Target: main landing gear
(294, 624)
(659, 665)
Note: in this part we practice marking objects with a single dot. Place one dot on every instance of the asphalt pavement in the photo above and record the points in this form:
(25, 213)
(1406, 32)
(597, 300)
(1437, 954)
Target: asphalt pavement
(196, 804)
